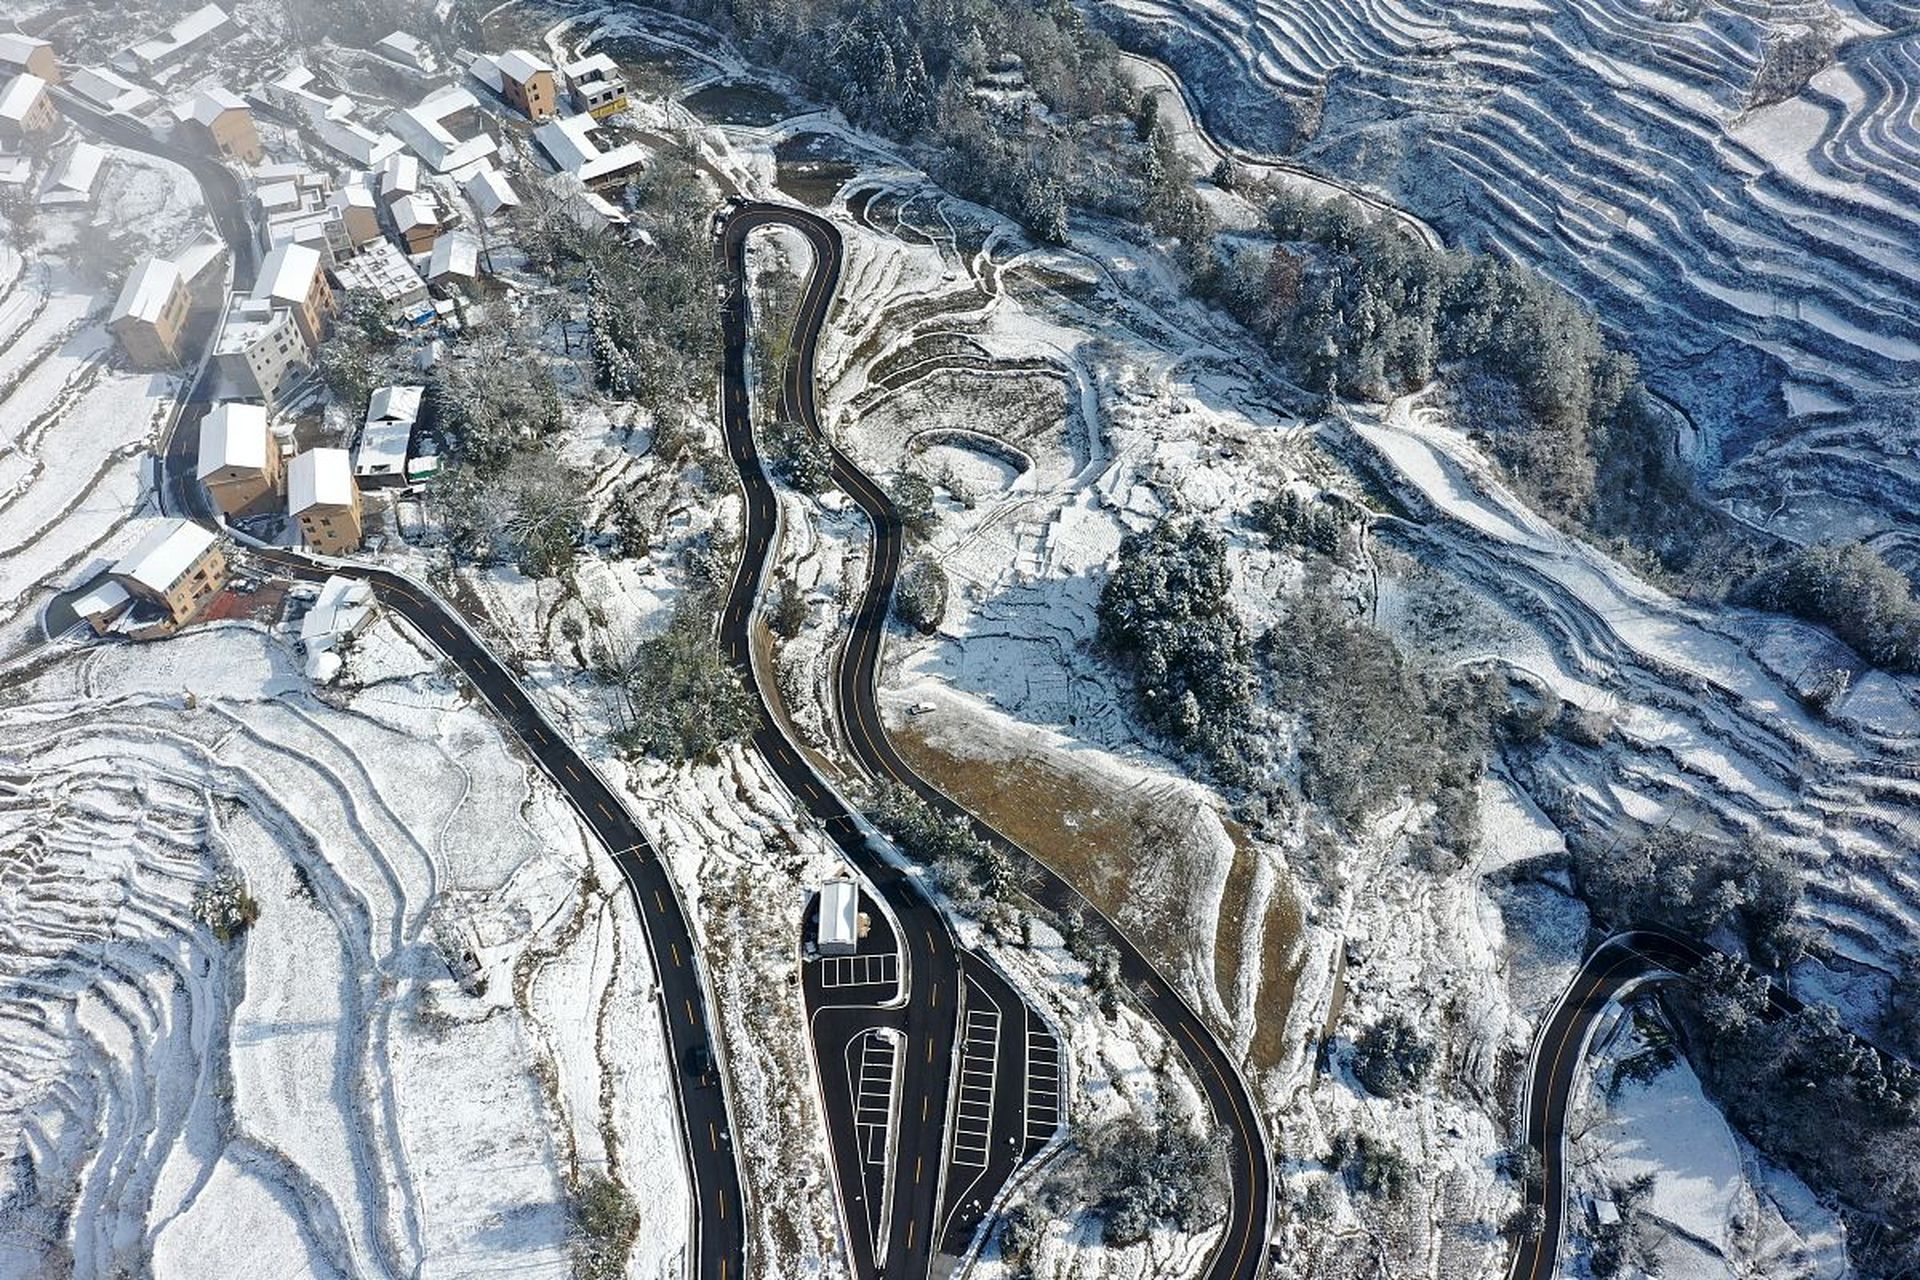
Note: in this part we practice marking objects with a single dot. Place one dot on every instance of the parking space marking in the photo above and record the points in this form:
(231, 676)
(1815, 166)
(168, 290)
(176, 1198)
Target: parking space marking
(873, 1096)
(1043, 1084)
(973, 1116)
(859, 971)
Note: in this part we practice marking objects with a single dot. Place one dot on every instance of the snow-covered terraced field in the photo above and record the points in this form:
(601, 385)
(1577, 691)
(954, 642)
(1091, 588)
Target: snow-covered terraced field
(396, 1069)
(1744, 253)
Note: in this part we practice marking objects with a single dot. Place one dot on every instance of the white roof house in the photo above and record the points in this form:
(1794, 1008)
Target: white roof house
(407, 50)
(489, 192)
(410, 213)
(589, 210)
(197, 258)
(521, 66)
(233, 434)
(356, 142)
(839, 929)
(207, 106)
(17, 50)
(342, 609)
(108, 89)
(72, 182)
(21, 95)
(391, 413)
(399, 176)
(568, 143)
(182, 35)
(593, 67)
(423, 128)
(455, 256)
(163, 554)
(105, 598)
(319, 477)
(148, 288)
(287, 275)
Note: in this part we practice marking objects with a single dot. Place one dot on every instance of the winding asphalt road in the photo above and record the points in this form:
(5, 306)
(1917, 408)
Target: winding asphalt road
(1241, 1254)
(718, 1243)
(1620, 962)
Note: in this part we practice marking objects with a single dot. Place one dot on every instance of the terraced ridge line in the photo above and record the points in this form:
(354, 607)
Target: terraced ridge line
(1241, 1254)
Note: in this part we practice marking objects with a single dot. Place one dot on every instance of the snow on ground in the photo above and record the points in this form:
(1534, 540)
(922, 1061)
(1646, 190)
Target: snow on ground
(387, 1073)
(1715, 1210)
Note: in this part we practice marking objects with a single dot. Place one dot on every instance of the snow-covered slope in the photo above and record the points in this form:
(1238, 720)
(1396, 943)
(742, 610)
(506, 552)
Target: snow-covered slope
(1761, 261)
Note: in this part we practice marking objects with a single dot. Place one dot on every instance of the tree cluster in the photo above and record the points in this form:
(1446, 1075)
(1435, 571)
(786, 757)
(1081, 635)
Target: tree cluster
(1165, 615)
(1290, 519)
(495, 400)
(1843, 1116)
(1353, 305)
(606, 1221)
(920, 596)
(1391, 1057)
(1370, 1165)
(799, 456)
(683, 701)
(1140, 1179)
(224, 905)
(967, 867)
(530, 514)
(1849, 589)
(1697, 885)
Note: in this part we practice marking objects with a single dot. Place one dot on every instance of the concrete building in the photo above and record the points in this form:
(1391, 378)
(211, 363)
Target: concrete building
(324, 501)
(381, 456)
(381, 270)
(291, 279)
(260, 350)
(26, 108)
(596, 87)
(224, 121)
(30, 54)
(524, 79)
(570, 145)
(838, 931)
(150, 314)
(240, 460)
(169, 576)
(358, 210)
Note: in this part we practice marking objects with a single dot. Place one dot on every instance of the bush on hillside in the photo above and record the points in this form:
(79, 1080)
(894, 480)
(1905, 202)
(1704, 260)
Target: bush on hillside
(1849, 589)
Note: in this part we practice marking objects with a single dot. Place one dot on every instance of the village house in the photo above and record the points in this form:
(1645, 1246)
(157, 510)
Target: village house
(595, 85)
(455, 260)
(399, 178)
(150, 314)
(523, 79)
(409, 51)
(190, 32)
(109, 90)
(164, 581)
(240, 460)
(489, 192)
(380, 458)
(324, 502)
(416, 222)
(222, 119)
(443, 129)
(260, 350)
(358, 211)
(291, 279)
(73, 179)
(382, 271)
(30, 54)
(569, 144)
(26, 108)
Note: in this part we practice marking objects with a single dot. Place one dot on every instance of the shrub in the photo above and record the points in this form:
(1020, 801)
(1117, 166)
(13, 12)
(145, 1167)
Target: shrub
(1391, 1057)
(1849, 589)
(684, 702)
(920, 598)
(605, 1222)
(1141, 1178)
(224, 905)
(800, 457)
(789, 612)
(1370, 1165)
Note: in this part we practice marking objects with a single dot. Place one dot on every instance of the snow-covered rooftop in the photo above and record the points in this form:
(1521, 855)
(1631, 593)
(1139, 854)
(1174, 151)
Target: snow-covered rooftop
(382, 270)
(233, 434)
(454, 255)
(521, 66)
(247, 322)
(394, 404)
(414, 211)
(357, 142)
(408, 50)
(595, 66)
(383, 448)
(20, 95)
(166, 552)
(105, 87)
(490, 192)
(73, 182)
(568, 142)
(839, 914)
(206, 250)
(15, 48)
(144, 296)
(422, 127)
(193, 28)
(287, 274)
(104, 597)
(209, 105)
(399, 176)
(343, 606)
(319, 477)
